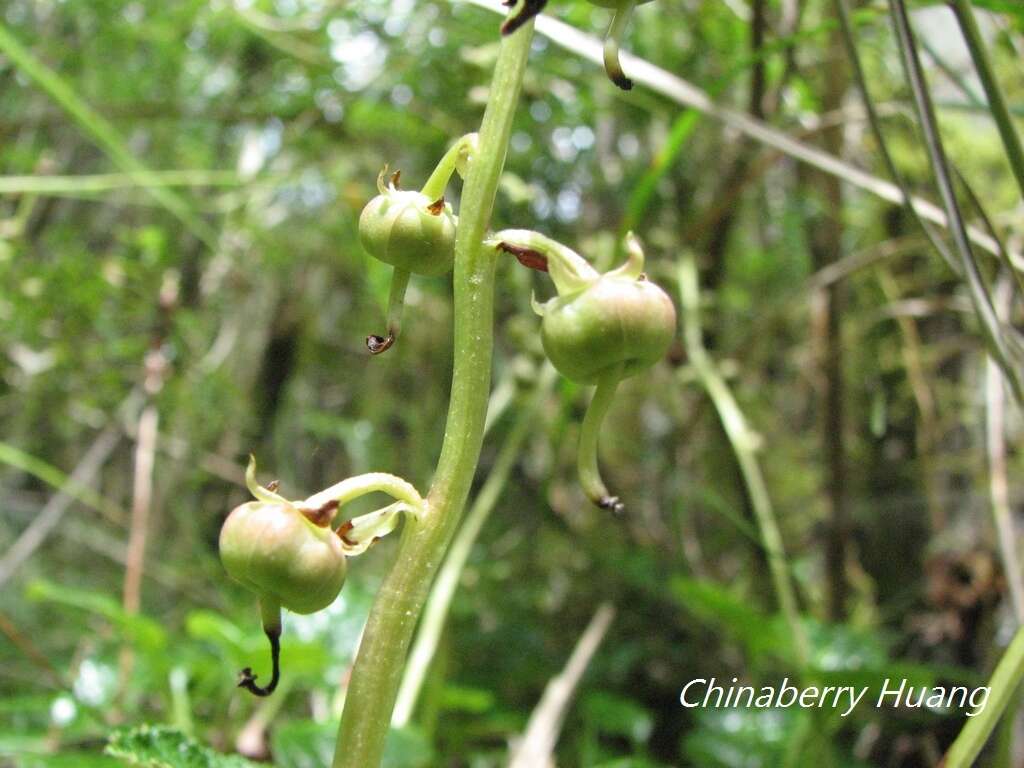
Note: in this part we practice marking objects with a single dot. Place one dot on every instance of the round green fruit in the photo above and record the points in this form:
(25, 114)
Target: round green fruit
(409, 231)
(614, 320)
(275, 551)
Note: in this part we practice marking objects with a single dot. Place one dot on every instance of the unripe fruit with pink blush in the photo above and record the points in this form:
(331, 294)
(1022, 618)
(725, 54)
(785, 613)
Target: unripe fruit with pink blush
(275, 551)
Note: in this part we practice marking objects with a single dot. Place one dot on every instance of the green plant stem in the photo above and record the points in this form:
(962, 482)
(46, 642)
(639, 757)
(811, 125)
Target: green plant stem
(386, 639)
(1004, 681)
(435, 614)
(744, 445)
(996, 101)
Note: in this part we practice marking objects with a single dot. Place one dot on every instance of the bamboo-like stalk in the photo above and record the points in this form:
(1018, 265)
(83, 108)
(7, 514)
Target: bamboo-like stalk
(743, 444)
(941, 169)
(849, 42)
(996, 100)
(382, 653)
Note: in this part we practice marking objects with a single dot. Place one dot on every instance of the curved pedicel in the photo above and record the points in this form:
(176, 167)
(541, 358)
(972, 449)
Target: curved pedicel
(586, 461)
(413, 231)
(272, 627)
(599, 329)
(613, 40)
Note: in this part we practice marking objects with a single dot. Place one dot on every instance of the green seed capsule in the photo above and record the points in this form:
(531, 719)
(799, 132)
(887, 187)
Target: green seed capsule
(275, 551)
(599, 329)
(614, 321)
(289, 555)
(413, 231)
(409, 231)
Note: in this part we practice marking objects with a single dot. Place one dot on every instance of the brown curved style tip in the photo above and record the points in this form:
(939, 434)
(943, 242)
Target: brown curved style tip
(395, 178)
(246, 678)
(526, 256)
(612, 504)
(435, 208)
(343, 529)
(622, 81)
(530, 9)
(377, 344)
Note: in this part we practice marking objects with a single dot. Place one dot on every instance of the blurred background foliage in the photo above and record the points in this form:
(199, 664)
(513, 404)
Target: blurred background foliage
(178, 233)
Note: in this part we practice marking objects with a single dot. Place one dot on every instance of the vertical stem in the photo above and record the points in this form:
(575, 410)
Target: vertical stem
(1004, 681)
(435, 614)
(996, 101)
(382, 652)
(743, 444)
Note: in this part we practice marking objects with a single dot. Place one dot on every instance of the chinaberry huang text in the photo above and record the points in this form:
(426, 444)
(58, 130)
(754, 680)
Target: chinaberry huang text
(709, 693)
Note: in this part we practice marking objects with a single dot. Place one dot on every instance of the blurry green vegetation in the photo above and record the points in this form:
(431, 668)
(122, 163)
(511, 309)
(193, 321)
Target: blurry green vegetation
(188, 175)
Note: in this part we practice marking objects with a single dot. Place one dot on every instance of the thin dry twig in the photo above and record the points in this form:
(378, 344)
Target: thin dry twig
(142, 497)
(50, 515)
(999, 487)
(538, 743)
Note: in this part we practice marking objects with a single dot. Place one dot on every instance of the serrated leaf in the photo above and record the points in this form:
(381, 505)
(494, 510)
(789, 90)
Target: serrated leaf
(157, 746)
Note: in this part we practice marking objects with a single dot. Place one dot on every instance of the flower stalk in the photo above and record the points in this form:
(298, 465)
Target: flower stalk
(388, 634)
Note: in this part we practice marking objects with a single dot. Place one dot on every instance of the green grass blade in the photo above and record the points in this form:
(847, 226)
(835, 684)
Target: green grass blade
(102, 132)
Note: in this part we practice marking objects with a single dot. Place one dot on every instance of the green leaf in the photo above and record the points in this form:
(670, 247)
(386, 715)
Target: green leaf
(618, 716)
(143, 631)
(162, 747)
(67, 760)
(460, 698)
(760, 632)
